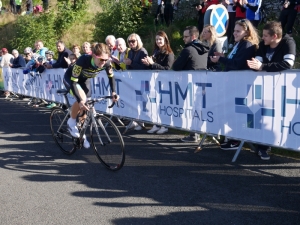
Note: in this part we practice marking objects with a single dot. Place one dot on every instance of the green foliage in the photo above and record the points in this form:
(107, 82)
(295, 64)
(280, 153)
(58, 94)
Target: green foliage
(31, 28)
(119, 19)
(68, 12)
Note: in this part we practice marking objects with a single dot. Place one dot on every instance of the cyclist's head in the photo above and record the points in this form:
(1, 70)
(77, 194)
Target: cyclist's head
(101, 54)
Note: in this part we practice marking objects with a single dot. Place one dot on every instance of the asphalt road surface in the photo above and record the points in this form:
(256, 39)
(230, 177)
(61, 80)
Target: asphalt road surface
(162, 182)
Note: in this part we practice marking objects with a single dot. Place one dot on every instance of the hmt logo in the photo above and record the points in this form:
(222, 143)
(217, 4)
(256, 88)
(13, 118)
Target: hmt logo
(142, 95)
(293, 127)
(254, 106)
(175, 96)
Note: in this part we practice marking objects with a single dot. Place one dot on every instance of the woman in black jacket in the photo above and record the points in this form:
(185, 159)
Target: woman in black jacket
(162, 59)
(246, 42)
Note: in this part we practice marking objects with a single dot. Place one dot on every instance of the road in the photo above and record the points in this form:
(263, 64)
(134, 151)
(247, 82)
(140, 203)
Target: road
(162, 182)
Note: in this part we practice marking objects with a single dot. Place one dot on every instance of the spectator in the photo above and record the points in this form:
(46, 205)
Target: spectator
(18, 6)
(50, 57)
(39, 48)
(13, 6)
(209, 35)
(247, 40)
(37, 9)
(274, 54)
(231, 21)
(162, 59)
(71, 60)
(1, 55)
(35, 67)
(160, 13)
(168, 12)
(31, 63)
(240, 10)
(110, 41)
(0, 6)
(6, 59)
(29, 6)
(86, 47)
(192, 57)
(194, 54)
(136, 53)
(18, 61)
(76, 50)
(62, 53)
(134, 62)
(45, 4)
(252, 11)
(28, 54)
(288, 15)
(201, 8)
(122, 54)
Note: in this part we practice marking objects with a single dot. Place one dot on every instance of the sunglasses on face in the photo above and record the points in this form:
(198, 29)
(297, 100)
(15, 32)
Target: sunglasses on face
(100, 59)
(132, 41)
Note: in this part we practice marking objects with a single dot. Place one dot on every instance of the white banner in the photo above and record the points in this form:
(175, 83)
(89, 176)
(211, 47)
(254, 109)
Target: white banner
(254, 106)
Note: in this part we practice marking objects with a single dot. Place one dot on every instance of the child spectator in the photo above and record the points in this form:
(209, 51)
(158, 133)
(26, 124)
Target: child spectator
(49, 57)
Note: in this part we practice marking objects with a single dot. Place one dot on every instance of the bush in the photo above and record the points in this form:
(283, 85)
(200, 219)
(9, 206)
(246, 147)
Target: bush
(119, 19)
(67, 13)
(31, 28)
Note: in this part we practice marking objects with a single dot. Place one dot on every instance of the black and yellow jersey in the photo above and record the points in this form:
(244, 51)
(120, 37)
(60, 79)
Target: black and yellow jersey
(82, 71)
(85, 68)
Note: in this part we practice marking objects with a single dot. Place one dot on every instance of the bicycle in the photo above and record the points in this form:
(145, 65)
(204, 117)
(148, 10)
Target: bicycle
(106, 139)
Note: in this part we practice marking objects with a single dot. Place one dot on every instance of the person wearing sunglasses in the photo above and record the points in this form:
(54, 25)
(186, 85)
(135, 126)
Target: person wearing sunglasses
(77, 81)
(136, 54)
(134, 62)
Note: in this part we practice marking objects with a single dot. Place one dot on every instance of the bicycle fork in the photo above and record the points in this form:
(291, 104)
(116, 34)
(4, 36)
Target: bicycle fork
(94, 123)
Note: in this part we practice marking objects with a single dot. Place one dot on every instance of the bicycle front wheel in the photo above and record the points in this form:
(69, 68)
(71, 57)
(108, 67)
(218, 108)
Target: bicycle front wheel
(108, 143)
(60, 132)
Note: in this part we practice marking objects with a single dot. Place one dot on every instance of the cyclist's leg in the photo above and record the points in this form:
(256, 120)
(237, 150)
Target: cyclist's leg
(75, 107)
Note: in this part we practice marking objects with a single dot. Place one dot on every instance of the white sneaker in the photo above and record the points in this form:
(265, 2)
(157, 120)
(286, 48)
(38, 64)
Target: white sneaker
(73, 129)
(86, 143)
(162, 130)
(153, 129)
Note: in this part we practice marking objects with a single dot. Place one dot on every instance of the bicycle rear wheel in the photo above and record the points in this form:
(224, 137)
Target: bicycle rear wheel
(108, 143)
(60, 132)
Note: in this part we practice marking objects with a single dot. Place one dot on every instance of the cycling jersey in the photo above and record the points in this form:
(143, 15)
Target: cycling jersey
(82, 71)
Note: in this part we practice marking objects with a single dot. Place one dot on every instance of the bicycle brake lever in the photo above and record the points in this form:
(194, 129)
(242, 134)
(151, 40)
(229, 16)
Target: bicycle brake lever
(112, 105)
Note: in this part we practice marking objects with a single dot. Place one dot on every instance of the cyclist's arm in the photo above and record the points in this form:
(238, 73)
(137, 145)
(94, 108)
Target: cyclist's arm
(110, 75)
(76, 70)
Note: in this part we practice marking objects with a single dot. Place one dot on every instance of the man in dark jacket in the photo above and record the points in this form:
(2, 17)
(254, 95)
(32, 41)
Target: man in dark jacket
(18, 60)
(274, 54)
(63, 54)
(192, 57)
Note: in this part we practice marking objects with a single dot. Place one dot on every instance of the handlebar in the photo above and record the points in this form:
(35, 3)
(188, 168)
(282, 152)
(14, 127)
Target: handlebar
(92, 101)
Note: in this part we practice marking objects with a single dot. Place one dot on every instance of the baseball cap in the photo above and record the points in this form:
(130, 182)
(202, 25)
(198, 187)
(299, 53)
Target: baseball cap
(27, 50)
(4, 50)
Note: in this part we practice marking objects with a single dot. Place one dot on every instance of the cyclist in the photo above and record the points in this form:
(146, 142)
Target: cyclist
(77, 82)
